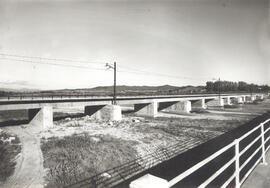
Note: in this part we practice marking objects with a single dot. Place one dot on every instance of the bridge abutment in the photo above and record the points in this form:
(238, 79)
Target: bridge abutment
(41, 116)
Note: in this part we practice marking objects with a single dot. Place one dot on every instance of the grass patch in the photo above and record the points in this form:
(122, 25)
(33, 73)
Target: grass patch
(8, 152)
(77, 157)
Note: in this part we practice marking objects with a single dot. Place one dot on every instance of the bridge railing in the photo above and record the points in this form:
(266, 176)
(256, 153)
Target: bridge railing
(264, 144)
(91, 96)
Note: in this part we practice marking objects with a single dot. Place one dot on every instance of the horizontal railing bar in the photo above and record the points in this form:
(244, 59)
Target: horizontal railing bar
(266, 140)
(209, 180)
(267, 130)
(249, 132)
(228, 181)
(267, 148)
(266, 121)
(250, 145)
(250, 170)
(250, 157)
(198, 165)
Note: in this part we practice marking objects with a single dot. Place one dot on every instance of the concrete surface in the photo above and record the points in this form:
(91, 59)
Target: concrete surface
(43, 116)
(148, 109)
(149, 181)
(260, 177)
(182, 106)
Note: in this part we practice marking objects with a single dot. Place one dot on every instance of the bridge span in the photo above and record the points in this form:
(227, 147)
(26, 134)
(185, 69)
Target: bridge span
(40, 109)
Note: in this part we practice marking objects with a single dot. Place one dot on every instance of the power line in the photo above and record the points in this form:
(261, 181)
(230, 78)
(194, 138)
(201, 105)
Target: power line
(48, 63)
(51, 59)
(128, 69)
(135, 71)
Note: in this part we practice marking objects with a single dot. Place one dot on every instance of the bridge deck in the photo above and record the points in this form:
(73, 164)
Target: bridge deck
(21, 102)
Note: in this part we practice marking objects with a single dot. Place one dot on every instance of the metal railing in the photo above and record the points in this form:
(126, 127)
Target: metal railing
(32, 97)
(264, 138)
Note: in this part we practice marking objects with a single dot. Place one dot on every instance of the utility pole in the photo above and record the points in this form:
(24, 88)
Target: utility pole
(109, 66)
(219, 85)
(114, 85)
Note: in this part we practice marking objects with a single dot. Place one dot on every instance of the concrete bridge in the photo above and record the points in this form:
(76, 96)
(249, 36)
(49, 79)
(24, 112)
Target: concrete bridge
(40, 109)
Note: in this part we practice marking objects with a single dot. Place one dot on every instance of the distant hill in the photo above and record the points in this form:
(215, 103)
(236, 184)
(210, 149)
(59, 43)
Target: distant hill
(108, 90)
(18, 90)
(135, 88)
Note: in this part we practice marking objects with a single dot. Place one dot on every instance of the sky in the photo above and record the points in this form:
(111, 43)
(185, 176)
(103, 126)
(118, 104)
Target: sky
(153, 42)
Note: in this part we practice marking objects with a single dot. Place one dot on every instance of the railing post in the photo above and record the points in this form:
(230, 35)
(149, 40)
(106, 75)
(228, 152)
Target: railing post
(237, 167)
(263, 144)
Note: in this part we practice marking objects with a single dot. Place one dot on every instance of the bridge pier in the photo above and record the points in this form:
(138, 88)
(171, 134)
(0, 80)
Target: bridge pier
(147, 109)
(203, 104)
(199, 104)
(215, 102)
(104, 112)
(93, 111)
(181, 106)
(240, 100)
(244, 99)
(220, 102)
(228, 101)
(41, 116)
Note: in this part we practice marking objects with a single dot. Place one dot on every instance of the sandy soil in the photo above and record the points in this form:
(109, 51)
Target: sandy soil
(29, 170)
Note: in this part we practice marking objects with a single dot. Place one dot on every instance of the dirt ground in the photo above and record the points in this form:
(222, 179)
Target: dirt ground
(29, 170)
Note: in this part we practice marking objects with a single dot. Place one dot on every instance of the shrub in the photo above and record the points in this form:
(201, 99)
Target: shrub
(8, 152)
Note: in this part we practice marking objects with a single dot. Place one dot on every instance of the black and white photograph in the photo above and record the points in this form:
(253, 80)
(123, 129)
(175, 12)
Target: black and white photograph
(134, 93)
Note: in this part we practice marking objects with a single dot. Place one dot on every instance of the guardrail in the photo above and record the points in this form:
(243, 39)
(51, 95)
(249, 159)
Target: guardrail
(263, 138)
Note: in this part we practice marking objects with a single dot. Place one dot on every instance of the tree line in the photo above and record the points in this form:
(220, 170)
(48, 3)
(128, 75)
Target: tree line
(227, 86)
